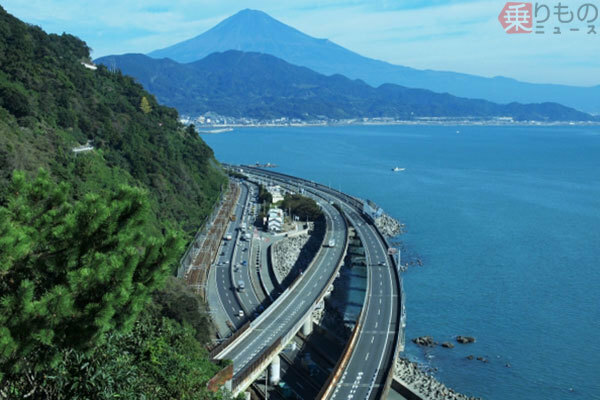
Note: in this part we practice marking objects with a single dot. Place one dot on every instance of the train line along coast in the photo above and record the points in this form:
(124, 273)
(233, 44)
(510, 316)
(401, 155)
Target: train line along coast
(305, 292)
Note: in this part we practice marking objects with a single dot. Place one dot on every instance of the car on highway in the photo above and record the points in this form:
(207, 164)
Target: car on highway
(241, 313)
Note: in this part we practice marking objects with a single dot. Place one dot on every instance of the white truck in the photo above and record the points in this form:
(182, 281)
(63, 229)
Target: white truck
(241, 286)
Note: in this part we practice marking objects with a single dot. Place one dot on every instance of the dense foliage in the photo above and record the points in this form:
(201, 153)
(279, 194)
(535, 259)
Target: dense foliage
(301, 207)
(72, 271)
(87, 242)
(75, 278)
(158, 359)
(50, 103)
(255, 85)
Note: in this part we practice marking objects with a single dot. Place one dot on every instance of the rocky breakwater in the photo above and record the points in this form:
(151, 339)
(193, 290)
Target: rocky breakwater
(418, 381)
(389, 226)
(293, 254)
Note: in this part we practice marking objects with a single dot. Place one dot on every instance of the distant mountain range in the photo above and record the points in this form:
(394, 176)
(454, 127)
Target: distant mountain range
(246, 84)
(255, 31)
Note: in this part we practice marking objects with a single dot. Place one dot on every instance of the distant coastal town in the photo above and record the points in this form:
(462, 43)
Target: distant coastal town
(216, 123)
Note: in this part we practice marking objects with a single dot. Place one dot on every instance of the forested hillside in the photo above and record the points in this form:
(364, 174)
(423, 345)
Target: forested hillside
(89, 240)
(50, 103)
(255, 85)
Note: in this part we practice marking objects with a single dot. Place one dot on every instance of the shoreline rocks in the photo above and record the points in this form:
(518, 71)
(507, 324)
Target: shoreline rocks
(482, 359)
(448, 345)
(389, 226)
(425, 341)
(412, 376)
(465, 339)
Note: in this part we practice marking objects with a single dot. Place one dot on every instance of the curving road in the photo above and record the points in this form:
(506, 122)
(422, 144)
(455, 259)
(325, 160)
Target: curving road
(366, 372)
(292, 307)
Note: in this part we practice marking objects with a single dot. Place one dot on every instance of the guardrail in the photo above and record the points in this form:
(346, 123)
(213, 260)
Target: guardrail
(214, 352)
(399, 339)
(336, 373)
(357, 202)
(273, 305)
(235, 243)
(258, 364)
(400, 317)
(259, 272)
(248, 374)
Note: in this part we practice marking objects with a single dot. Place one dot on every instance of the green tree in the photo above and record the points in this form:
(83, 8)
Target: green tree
(191, 130)
(145, 105)
(177, 301)
(71, 271)
(264, 196)
(302, 207)
(15, 101)
(158, 359)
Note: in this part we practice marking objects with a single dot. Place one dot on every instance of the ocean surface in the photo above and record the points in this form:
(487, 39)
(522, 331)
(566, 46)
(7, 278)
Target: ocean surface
(507, 223)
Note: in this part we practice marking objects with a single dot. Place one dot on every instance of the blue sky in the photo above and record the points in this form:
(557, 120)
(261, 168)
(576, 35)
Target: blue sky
(461, 36)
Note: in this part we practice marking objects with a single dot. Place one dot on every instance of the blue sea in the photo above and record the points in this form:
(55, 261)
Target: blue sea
(507, 223)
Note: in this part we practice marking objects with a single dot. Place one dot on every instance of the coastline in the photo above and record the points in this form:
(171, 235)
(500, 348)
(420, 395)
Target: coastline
(410, 375)
(225, 126)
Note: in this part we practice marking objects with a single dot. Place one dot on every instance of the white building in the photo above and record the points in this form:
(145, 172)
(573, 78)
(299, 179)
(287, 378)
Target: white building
(275, 222)
(276, 192)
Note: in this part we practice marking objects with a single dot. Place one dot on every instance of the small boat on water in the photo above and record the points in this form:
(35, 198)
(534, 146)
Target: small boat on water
(398, 169)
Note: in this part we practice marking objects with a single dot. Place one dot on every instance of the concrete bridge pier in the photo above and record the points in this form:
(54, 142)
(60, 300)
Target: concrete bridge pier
(307, 327)
(275, 371)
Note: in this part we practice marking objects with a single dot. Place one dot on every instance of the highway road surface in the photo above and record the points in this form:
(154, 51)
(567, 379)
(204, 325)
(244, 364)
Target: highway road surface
(291, 309)
(366, 372)
(229, 270)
